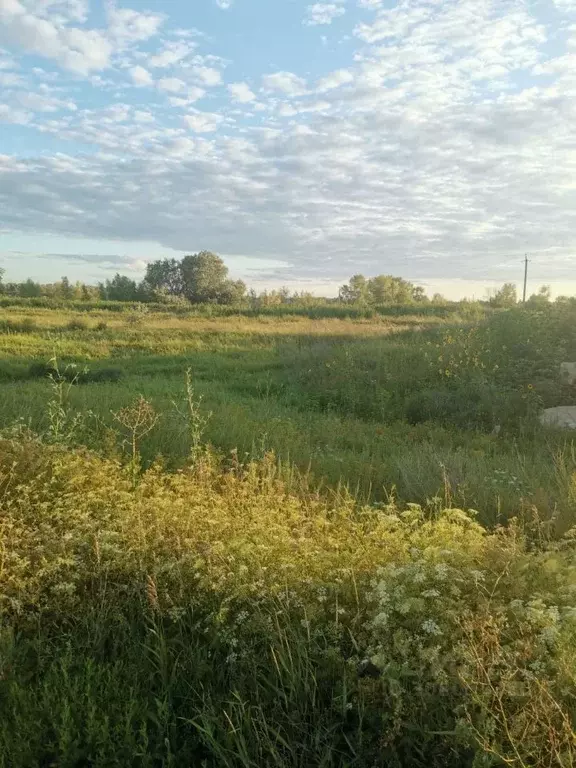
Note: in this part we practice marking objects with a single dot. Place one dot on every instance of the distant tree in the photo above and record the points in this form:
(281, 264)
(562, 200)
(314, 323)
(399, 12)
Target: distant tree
(437, 298)
(165, 276)
(88, 292)
(419, 294)
(29, 289)
(541, 298)
(66, 290)
(505, 296)
(232, 292)
(120, 288)
(204, 277)
(356, 291)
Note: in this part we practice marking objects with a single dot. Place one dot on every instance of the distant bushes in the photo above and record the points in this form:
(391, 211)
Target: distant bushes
(72, 373)
(27, 325)
(322, 309)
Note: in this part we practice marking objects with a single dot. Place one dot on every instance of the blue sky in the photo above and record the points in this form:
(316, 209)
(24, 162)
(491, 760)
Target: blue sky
(302, 141)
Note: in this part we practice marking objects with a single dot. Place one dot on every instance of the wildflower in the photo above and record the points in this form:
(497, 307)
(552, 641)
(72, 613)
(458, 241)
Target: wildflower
(431, 628)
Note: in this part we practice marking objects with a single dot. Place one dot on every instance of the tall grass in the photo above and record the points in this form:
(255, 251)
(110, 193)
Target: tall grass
(278, 563)
(214, 617)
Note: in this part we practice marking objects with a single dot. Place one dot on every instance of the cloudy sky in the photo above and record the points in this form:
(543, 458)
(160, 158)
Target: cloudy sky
(433, 139)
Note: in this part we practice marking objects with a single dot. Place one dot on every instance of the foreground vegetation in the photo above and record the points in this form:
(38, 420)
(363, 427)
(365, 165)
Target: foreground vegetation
(322, 596)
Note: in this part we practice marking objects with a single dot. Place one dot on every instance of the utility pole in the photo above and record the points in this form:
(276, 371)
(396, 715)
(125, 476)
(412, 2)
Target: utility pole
(525, 278)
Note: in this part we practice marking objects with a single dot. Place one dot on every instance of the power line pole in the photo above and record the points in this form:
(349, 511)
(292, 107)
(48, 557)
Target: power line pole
(525, 278)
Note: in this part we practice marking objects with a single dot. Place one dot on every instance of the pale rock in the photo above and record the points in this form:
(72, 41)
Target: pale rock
(561, 417)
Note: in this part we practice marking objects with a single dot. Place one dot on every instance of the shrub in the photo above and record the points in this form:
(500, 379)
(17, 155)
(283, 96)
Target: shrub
(212, 617)
(27, 325)
(77, 325)
(42, 370)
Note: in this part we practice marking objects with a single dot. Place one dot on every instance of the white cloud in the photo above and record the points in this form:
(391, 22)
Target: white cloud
(323, 13)
(11, 79)
(141, 116)
(203, 122)
(285, 82)
(568, 6)
(289, 110)
(241, 93)
(192, 95)
(172, 53)
(334, 80)
(14, 116)
(450, 146)
(79, 50)
(171, 84)
(370, 4)
(207, 76)
(38, 102)
(224, 4)
(126, 25)
(60, 11)
(140, 76)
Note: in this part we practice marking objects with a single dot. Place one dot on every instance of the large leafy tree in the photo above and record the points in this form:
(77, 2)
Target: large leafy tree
(120, 288)
(165, 276)
(29, 289)
(505, 296)
(382, 289)
(356, 290)
(204, 277)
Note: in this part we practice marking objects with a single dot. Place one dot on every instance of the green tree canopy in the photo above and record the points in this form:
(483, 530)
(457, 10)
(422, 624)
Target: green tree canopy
(382, 289)
(29, 289)
(165, 276)
(541, 298)
(204, 277)
(505, 296)
(356, 290)
(120, 288)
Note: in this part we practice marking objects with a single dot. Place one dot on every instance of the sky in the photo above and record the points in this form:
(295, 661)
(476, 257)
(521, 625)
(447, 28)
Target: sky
(303, 142)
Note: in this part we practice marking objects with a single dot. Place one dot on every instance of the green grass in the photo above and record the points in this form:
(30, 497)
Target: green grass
(365, 404)
(218, 606)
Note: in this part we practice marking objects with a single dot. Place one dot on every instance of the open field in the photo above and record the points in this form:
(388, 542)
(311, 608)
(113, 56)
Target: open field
(392, 406)
(306, 591)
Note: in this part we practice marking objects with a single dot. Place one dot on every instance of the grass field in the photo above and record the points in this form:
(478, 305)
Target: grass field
(364, 402)
(159, 609)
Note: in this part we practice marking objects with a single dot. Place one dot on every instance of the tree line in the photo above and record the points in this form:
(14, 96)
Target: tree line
(202, 278)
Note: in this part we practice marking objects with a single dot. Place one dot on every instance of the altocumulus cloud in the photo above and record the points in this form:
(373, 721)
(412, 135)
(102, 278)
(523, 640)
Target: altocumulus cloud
(442, 146)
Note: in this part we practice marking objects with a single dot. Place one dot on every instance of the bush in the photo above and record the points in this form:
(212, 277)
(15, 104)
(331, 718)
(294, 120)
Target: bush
(27, 325)
(42, 370)
(77, 325)
(211, 617)
(72, 373)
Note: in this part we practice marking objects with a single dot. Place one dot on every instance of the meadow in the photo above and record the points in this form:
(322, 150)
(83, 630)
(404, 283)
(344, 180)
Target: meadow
(333, 538)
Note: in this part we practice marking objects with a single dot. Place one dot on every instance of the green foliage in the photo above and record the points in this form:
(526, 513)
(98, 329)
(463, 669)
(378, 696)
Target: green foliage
(205, 279)
(120, 288)
(381, 290)
(165, 276)
(505, 296)
(29, 289)
(214, 617)
(241, 608)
